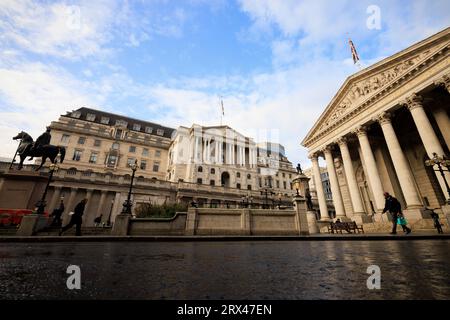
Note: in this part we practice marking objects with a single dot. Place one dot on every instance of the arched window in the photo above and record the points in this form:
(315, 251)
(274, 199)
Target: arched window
(213, 171)
(238, 174)
(249, 176)
(200, 169)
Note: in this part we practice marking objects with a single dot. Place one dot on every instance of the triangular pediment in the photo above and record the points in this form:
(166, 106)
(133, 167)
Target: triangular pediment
(369, 83)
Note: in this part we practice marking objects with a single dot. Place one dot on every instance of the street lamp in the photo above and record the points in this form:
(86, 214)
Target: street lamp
(42, 203)
(440, 161)
(108, 222)
(297, 185)
(128, 204)
(247, 201)
(280, 195)
(265, 193)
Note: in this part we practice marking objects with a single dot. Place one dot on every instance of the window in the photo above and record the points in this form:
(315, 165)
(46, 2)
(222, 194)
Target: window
(157, 153)
(77, 155)
(136, 127)
(155, 166)
(104, 120)
(276, 174)
(284, 184)
(132, 149)
(118, 134)
(290, 176)
(115, 146)
(212, 182)
(76, 114)
(93, 157)
(249, 176)
(97, 143)
(90, 117)
(148, 129)
(213, 171)
(260, 182)
(143, 165)
(238, 185)
(145, 152)
(249, 187)
(200, 169)
(121, 123)
(65, 138)
(160, 132)
(238, 174)
(81, 140)
(278, 184)
(111, 162)
(283, 175)
(199, 181)
(130, 162)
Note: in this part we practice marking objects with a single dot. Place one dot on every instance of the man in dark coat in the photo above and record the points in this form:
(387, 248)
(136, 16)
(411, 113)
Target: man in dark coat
(76, 218)
(57, 213)
(394, 207)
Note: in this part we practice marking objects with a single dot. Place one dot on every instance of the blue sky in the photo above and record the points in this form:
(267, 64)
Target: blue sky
(277, 64)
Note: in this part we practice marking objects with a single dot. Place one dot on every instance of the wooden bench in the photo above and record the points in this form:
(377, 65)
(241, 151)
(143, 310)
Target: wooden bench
(350, 227)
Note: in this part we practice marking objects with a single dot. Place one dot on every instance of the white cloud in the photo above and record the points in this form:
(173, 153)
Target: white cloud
(58, 29)
(35, 94)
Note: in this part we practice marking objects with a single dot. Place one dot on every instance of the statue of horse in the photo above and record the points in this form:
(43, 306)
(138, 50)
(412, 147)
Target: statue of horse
(46, 151)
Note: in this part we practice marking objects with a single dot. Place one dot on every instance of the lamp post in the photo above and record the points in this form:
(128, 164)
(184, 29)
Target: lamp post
(280, 195)
(108, 222)
(440, 161)
(127, 204)
(247, 201)
(42, 203)
(265, 193)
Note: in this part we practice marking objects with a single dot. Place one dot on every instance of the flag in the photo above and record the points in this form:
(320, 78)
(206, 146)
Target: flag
(221, 103)
(353, 49)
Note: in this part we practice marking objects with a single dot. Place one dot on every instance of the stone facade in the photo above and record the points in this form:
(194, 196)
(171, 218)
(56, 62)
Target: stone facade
(379, 129)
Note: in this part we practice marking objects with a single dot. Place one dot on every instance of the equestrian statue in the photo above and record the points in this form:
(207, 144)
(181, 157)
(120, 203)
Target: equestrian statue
(40, 148)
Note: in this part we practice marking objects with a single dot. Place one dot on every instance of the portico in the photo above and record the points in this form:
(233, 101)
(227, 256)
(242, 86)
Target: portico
(382, 125)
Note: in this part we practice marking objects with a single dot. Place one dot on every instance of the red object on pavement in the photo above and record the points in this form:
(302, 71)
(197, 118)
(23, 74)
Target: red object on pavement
(13, 217)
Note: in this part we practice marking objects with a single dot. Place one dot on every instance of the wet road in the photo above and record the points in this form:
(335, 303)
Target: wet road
(227, 270)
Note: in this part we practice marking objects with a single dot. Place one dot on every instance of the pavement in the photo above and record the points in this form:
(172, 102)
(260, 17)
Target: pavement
(316, 237)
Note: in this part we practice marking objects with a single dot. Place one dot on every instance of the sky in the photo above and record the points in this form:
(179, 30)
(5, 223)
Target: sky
(275, 64)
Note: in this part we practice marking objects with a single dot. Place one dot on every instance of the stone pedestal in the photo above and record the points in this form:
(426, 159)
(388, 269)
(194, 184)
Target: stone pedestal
(312, 222)
(31, 224)
(121, 225)
(191, 221)
(301, 218)
(446, 213)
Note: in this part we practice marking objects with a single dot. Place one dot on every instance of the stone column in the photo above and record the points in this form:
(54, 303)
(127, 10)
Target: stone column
(70, 206)
(319, 189)
(401, 165)
(334, 184)
(427, 134)
(117, 207)
(101, 203)
(358, 209)
(443, 122)
(371, 166)
(56, 195)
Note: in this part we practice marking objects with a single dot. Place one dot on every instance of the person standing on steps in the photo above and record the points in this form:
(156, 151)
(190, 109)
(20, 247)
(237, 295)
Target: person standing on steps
(76, 218)
(393, 206)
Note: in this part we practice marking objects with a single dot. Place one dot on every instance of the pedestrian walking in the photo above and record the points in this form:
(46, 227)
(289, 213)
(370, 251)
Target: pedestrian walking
(57, 213)
(98, 221)
(394, 207)
(76, 218)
